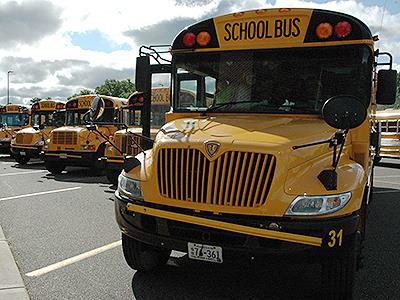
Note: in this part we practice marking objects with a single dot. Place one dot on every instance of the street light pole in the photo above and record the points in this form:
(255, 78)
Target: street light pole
(8, 86)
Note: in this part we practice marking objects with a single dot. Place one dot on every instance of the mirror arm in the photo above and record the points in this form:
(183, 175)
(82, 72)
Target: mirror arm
(329, 141)
(106, 138)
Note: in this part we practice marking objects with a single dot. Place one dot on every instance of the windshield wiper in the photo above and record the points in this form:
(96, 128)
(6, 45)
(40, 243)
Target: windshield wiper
(216, 107)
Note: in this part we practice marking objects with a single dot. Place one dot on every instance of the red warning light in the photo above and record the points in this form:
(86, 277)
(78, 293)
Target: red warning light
(342, 29)
(189, 39)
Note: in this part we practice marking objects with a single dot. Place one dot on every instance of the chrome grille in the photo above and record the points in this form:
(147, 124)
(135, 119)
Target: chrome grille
(23, 139)
(235, 179)
(65, 138)
(128, 143)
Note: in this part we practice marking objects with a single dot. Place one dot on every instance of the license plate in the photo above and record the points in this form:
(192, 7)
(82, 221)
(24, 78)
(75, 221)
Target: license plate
(205, 252)
(22, 153)
(63, 156)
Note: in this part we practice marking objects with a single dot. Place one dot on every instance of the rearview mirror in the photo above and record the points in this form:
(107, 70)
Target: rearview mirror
(344, 112)
(97, 109)
(387, 87)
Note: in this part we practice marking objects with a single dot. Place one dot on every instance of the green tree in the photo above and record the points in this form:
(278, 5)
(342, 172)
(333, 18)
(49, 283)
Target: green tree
(35, 100)
(82, 92)
(116, 88)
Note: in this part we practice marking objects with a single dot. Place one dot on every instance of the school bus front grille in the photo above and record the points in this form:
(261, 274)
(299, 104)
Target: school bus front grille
(235, 179)
(65, 138)
(128, 144)
(23, 139)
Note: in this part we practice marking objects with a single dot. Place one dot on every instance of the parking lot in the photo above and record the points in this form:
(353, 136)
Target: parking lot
(66, 243)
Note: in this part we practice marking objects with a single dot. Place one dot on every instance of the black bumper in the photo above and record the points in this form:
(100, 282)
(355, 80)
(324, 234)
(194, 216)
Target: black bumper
(5, 145)
(32, 152)
(176, 235)
(69, 158)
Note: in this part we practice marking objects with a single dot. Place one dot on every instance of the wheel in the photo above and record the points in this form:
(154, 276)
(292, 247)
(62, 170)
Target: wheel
(22, 160)
(112, 176)
(54, 168)
(339, 270)
(143, 257)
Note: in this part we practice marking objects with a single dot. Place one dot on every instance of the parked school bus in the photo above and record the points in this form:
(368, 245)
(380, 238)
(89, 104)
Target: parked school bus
(28, 143)
(278, 163)
(74, 144)
(389, 128)
(128, 141)
(14, 117)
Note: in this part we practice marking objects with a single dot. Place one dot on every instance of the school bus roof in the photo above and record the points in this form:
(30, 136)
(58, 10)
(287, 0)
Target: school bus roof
(48, 105)
(85, 101)
(14, 108)
(273, 28)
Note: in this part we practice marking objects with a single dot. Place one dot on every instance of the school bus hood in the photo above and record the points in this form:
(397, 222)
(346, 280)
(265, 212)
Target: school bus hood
(267, 134)
(70, 129)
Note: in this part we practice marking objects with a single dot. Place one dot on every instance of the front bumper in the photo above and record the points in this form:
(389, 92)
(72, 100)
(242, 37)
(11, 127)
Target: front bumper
(32, 151)
(5, 145)
(164, 227)
(69, 158)
(112, 163)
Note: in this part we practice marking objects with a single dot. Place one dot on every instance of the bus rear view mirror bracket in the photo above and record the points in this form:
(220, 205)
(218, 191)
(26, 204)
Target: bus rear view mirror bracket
(342, 112)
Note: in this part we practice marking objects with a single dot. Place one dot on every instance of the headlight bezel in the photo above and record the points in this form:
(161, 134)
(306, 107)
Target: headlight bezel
(324, 209)
(130, 188)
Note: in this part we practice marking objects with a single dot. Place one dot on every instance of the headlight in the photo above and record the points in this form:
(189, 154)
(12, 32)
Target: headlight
(130, 187)
(88, 147)
(39, 143)
(317, 205)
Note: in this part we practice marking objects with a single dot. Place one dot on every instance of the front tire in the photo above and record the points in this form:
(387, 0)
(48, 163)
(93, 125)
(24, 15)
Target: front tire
(339, 270)
(54, 168)
(22, 160)
(143, 257)
(112, 176)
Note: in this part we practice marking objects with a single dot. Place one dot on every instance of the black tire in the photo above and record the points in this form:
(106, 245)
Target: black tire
(22, 160)
(143, 257)
(54, 168)
(112, 176)
(339, 270)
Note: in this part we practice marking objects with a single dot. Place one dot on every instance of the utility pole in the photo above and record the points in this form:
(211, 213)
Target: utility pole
(8, 85)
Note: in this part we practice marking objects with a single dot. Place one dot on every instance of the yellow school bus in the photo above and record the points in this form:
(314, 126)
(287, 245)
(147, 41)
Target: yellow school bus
(74, 144)
(278, 162)
(13, 118)
(28, 143)
(128, 141)
(389, 128)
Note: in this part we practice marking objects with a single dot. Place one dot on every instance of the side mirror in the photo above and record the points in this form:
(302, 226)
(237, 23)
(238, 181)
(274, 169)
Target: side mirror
(344, 112)
(97, 109)
(387, 87)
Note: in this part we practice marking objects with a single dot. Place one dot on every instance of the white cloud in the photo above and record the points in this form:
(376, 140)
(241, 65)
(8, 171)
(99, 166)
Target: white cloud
(54, 65)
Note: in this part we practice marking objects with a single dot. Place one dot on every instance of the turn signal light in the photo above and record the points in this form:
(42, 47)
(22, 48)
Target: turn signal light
(324, 30)
(342, 29)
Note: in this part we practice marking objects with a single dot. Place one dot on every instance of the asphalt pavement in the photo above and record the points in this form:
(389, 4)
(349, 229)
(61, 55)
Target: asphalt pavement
(64, 238)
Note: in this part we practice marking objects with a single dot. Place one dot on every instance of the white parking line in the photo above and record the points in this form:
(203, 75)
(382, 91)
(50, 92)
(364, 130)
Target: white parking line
(389, 182)
(40, 193)
(73, 259)
(22, 173)
(386, 176)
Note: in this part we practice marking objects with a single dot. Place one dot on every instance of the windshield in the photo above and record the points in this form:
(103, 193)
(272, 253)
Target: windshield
(43, 118)
(158, 114)
(14, 119)
(271, 81)
(75, 117)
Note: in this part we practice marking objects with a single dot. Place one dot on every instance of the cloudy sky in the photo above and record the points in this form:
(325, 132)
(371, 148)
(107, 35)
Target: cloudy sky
(58, 47)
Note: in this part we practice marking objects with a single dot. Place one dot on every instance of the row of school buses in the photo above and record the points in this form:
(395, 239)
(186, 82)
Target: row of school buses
(57, 133)
(273, 153)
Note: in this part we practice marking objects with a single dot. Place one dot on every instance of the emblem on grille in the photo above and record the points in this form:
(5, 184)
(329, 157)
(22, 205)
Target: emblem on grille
(212, 148)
